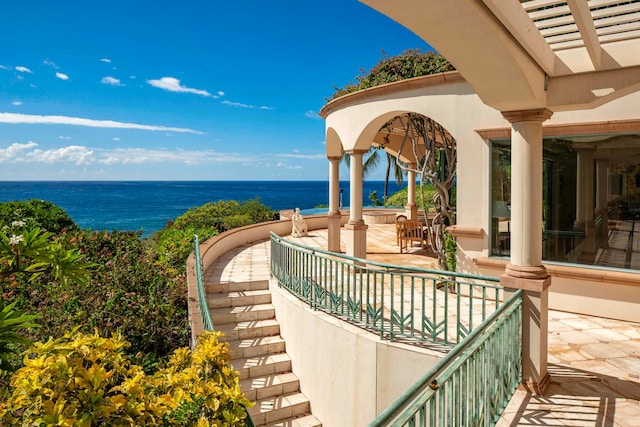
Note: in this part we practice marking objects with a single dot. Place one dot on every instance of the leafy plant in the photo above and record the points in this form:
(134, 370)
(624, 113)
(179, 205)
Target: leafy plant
(450, 250)
(12, 321)
(175, 242)
(86, 380)
(408, 64)
(37, 213)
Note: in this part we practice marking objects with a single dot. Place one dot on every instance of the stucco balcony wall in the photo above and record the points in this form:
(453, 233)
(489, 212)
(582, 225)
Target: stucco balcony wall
(348, 374)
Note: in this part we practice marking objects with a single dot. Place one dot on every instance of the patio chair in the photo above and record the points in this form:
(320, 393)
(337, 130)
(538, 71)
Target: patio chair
(411, 232)
(399, 220)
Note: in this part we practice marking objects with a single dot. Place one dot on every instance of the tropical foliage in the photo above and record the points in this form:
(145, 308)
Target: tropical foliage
(175, 242)
(37, 213)
(408, 64)
(87, 380)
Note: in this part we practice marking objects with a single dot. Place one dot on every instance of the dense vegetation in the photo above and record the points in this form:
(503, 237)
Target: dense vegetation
(408, 64)
(100, 283)
(87, 380)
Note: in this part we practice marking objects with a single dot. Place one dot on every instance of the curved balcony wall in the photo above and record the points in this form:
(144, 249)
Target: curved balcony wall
(348, 374)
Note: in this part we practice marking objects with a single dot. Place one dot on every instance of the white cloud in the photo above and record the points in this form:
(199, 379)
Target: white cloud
(220, 93)
(4, 67)
(105, 60)
(14, 150)
(249, 106)
(303, 156)
(312, 115)
(16, 103)
(62, 76)
(115, 138)
(71, 154)
(173, 85)
(142, 155)
(23, 69)
(78, 121)
(64, 137)
(50, 63)
(111, 81)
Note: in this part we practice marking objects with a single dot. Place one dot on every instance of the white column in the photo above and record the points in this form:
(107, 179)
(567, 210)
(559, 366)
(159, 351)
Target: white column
(525, 271)
(355, 229)
(334, 216)
(411, 209)
(355, 189)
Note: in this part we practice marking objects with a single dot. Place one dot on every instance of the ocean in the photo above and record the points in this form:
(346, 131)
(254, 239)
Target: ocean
(147, 205)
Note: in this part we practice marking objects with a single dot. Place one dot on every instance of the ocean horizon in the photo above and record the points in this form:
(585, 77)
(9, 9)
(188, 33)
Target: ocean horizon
(147, 206)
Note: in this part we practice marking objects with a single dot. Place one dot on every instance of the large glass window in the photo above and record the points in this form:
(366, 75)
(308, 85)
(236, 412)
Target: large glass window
(591, 200)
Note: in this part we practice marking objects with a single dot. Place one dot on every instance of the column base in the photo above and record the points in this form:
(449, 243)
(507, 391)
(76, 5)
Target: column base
(356, 239)
(535, 388)
(535, 303)
(334, 221)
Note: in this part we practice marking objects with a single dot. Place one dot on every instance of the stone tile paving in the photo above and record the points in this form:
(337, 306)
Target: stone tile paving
(594, 363)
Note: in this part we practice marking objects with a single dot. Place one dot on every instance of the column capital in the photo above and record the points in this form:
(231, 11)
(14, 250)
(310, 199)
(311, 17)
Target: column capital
(536, 115)
(338, 158)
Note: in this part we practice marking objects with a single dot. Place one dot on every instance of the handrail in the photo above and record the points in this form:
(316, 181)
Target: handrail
(461, 363)
(398, 301)
(205, 315)
(311, 249)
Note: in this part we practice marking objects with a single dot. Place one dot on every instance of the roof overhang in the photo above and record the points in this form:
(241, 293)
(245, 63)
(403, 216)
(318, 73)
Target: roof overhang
(525, 54)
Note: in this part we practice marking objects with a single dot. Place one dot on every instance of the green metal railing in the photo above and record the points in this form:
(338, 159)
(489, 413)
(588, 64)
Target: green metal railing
(473, 383)
(398, 302)
(205, 315)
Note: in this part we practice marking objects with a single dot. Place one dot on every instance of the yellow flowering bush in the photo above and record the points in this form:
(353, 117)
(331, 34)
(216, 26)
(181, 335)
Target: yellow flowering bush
(87, 380)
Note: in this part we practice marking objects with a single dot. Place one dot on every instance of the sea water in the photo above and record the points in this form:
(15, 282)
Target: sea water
(147, 205)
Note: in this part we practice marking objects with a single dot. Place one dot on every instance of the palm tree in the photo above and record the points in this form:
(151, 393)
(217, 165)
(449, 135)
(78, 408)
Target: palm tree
(371, 160)
(398, 174)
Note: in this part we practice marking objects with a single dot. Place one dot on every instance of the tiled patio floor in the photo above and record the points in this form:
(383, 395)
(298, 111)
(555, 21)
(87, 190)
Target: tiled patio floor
(594, 362)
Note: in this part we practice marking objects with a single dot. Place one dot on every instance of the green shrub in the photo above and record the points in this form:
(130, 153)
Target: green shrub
(175, 242)
(128, 292)
(86, 380)
(37, 214)
(423, 201)
(408, 64)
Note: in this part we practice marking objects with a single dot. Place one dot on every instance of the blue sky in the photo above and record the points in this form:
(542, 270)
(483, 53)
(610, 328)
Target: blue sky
(167, 90)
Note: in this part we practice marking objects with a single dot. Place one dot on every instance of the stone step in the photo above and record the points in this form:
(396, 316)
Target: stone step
(279, 408)
(223, 315)
(261, 366)
(249, 329)
(259, 346)
(269, 385)
(211, 288)
(238, 298)
(302, 421)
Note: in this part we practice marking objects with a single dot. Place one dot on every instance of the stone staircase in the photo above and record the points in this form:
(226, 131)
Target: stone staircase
(244, 313)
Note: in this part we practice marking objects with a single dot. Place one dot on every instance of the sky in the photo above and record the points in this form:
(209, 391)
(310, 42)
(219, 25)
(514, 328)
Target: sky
(190, 90)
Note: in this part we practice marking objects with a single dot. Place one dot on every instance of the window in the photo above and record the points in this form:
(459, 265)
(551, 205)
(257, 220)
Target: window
(591, 200)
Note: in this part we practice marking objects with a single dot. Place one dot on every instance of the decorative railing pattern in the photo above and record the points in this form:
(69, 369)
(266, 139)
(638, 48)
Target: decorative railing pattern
(473, 383)
(395, 301)
(205, 315)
